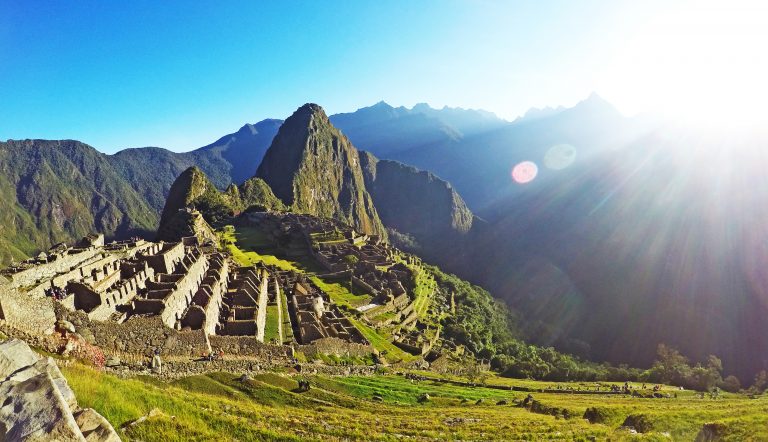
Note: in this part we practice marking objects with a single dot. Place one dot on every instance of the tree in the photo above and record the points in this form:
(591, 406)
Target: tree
(761, 383)
(671, 366)
(731, 384)
(352, 260)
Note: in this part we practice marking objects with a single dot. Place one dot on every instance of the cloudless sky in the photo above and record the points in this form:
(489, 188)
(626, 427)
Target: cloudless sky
(181, 74)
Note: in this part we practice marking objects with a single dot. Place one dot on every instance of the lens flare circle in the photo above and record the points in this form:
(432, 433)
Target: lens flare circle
(559, 157)
(524, 172)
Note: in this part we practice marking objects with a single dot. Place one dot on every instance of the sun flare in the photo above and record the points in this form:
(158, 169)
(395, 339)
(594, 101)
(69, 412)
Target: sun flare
(703, 62)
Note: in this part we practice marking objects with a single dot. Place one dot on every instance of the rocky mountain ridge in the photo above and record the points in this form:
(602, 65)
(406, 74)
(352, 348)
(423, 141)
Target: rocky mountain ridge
(313, 168)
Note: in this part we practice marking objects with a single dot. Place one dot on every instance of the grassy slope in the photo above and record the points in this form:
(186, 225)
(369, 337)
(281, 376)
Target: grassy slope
(218, 406)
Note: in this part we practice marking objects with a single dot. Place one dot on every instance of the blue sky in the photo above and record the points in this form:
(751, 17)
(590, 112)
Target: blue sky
(181, 74)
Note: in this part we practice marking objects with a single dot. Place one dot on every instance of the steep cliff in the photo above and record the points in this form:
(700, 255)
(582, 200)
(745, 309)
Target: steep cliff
(414, 201)
(312, 167)
(193, 189)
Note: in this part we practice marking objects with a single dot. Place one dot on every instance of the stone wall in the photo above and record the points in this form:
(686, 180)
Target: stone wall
(101, 305)
(30, 314)
(62, 263)
(335, 346)
(136, 336)
(261, 313)
(176, 303)
(248, 346)
(166, 260)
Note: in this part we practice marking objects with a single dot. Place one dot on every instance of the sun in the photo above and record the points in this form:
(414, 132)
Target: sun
(703, 62)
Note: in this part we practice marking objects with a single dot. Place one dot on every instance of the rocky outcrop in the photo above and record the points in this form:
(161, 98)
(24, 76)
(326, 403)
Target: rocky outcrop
(255, 192)
(38, 404)
(194, 204)
(312, 167)
(186, 223)
(191, 187)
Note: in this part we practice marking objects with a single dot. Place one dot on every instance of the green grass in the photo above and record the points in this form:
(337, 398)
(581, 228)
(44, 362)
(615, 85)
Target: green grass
(341, 294)
(272, 324)
(425, 287)
(241, 244)
(380, 342)
(287, 329)
(218, 406)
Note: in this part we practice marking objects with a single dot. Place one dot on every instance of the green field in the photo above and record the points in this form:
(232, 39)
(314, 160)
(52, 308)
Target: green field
(218, 406)
(341, 294)
(272, 324)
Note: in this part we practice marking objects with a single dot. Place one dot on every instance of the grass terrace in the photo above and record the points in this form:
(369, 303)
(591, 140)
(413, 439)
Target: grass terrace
(219, 406)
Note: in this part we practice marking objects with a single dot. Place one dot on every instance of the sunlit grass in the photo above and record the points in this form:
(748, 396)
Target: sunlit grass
(341, 294)
(218, 406)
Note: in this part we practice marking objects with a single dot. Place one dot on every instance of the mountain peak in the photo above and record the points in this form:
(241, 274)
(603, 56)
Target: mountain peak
(313, 167)
(310, 108)
(595, 101)
(421, 107)
(248, 128)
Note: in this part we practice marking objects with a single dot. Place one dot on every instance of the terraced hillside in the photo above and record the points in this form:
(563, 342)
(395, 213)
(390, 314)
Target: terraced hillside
(270, 406)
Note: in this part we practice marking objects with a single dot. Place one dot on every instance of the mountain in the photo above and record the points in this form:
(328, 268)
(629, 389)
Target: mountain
(242, 151)
(475, 151)
(55, 191)
(313, 168)
(535, 113)
(190, 188)
(209, 206)
(231, 159)
(415, 201)
(256, 192)
(387, 131)
(659, 240)
(628, 236)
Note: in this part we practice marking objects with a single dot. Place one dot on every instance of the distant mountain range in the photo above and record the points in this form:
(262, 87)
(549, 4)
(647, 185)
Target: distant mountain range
(630, 233)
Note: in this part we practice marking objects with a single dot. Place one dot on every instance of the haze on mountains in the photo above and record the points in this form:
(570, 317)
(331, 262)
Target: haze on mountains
(626, 229)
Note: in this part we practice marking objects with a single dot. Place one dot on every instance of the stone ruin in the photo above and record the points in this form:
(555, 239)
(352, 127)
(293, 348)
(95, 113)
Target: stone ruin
(314, 316)
(184, 292)
(372, 266)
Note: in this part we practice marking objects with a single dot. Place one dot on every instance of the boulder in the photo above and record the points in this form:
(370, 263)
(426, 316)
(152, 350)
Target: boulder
(94, 427)
(88, 336)
(640, 422)
(711, 431)
(38, 403)
(157, 364)
(66, 326)
(15, 354)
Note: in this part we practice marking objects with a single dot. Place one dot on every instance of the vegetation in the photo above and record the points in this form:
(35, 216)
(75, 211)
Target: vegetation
(313, 167)
(270, 407)
(61, 191)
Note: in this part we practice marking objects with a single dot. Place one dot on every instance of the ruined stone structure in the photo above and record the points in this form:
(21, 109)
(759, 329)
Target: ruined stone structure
(368, 263)
(315, 317)
(137, 297)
